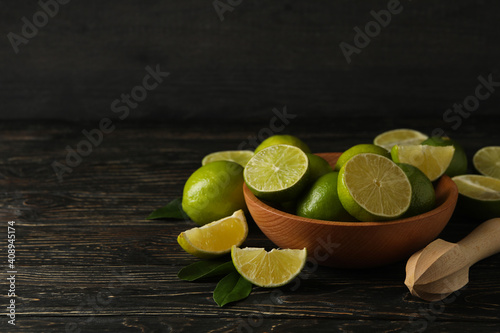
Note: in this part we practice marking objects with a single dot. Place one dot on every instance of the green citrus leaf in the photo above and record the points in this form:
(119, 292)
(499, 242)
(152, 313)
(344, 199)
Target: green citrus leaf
(205, 269)
(173, 210)
(231, 288)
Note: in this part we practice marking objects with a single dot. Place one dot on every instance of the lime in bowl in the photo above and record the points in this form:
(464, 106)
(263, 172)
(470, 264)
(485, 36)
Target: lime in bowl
(355, 244)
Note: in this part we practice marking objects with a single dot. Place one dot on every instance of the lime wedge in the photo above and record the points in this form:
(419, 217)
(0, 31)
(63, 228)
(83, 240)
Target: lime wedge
(268, 269)
(216, 238)
(239, 156)
(458, 165)
(487, 161)
(478, 187)
(373, 188)
(432, 161)
(402, 136)
(277, 173)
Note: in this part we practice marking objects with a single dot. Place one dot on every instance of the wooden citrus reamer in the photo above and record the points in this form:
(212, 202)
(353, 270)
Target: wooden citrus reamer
(442, 268)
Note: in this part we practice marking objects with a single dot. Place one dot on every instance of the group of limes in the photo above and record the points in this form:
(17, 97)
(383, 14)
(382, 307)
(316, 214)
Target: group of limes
(388, 179)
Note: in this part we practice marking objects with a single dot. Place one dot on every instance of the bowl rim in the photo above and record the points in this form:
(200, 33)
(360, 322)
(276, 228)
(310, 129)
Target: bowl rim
(450, 200)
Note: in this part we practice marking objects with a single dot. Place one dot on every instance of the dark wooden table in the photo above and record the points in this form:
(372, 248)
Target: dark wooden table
(87, 260)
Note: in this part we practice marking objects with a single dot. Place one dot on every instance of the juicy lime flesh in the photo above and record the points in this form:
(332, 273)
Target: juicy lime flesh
(458, 164)
(402, 136)
(478, 187)
(218, 238)
(239, 156)
(487, 161)
(268, 269)
(276, 168)
(378, 185)
(431, 160)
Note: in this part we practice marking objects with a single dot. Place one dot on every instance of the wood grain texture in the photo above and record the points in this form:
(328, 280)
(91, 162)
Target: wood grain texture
(262, 55)
(87, 256)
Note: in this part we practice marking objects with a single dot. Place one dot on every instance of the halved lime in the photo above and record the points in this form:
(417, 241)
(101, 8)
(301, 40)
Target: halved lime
(268, 269)
(216, 238)
(373, 188)
(431, 160)
(479, 195)
(487, 161)
(401, 136)
(239, 156)
(277, 173)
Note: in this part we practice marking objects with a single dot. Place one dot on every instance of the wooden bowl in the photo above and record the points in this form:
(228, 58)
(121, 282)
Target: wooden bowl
(355, 244)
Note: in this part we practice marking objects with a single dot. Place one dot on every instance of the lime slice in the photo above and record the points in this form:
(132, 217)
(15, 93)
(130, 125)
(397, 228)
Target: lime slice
(487, 161)
(479, 195)
(277, 173)
(431, 160)
(478, 187)
(216, 238)
(373, 188)
(360, 149)
(402, 136)
(268, 269)
(239, 156)
(283, 139)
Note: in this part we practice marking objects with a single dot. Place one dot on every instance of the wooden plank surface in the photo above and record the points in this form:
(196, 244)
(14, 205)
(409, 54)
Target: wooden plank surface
(263, 54)
(87, 258)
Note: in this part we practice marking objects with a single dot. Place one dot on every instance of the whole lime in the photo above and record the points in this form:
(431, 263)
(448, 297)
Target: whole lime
(360, 149)
(322, 202)
(458, 165)
(214, 191)
(423, 196)
(319, 166)
(283, 139)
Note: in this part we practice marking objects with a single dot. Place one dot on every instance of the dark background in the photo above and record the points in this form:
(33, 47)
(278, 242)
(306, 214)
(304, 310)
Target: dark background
(261, 56)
